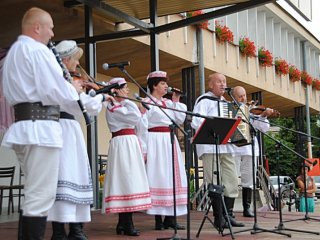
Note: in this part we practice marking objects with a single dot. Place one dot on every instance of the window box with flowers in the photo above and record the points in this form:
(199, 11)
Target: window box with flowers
(316, 84)
(223, 33)
(247, 47)
(306, 78)
(265, 57)
(281, 66)
(204, 24)
(294, 73)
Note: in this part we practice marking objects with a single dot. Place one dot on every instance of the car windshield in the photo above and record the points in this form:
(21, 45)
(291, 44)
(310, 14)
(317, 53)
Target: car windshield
(284, 180)
(274, 181)
(317, 179)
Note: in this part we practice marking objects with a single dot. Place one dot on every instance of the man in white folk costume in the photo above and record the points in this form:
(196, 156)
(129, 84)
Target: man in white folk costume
(33, 82)
(210, 104)
(244, 154)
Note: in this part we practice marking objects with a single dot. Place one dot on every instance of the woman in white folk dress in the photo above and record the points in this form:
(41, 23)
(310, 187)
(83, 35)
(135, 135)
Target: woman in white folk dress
(126, 188)
(159, 154)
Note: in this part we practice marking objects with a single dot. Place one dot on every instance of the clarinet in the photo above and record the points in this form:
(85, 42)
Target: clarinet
(67, 76)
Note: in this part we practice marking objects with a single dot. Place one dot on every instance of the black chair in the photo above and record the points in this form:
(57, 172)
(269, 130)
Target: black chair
(103, 162)
(6, 177)
(19, 188)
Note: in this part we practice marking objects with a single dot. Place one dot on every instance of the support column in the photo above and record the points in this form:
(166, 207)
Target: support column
(92, 140)
(188, 87)
(154, 46)
(299, 119)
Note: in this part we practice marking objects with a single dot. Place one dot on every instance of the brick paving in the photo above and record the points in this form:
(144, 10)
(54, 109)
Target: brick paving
(103, 227)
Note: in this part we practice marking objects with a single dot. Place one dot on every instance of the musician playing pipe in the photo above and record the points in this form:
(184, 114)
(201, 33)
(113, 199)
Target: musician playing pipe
(244, 154)
(33, 82)
(209, 104)
(126, 188)
(75, 191)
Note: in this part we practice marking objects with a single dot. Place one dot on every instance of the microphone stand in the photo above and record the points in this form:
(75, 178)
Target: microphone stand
(278, 144)
(172, 127)
(255, 229)
(187, 162)
(281, 225)
(217, 163)
(291, 130)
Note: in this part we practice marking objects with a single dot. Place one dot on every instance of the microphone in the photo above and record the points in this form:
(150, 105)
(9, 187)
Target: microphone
(228, 89)
(107, 66)
(106, 89)
(136, 95)
(176, 90)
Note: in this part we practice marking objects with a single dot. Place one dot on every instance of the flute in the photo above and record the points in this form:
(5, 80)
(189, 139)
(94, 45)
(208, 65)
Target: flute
(67, 76)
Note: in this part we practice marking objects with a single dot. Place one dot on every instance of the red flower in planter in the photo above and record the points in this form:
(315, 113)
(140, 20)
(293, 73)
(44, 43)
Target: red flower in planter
(294, 73)
(203, 25)
(223, 33)
(281, 66)
(316, 84)
(306, 78)
(247, 47)
(265, 57)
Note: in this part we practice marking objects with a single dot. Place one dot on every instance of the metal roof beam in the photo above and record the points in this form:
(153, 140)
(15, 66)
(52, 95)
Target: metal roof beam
(207, 16)
(114, 36)
(113, 12)
(174, 25)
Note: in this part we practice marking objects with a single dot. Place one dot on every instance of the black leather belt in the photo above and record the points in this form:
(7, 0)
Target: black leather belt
(36, 111)
(66, 115)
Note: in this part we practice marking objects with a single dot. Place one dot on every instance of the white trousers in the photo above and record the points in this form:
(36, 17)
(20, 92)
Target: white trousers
(40, 166)
(227, 172)
(244, 165)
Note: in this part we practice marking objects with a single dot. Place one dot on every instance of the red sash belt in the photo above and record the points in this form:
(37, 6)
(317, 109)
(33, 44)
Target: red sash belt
(126, 131)
(159, 129)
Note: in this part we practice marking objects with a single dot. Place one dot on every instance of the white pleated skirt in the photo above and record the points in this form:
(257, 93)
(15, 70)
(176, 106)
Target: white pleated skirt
(126, 187)
(159, 171)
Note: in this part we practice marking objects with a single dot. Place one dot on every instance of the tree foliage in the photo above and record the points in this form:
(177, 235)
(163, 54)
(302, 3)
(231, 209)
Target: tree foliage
(283, 160)
(289, 163)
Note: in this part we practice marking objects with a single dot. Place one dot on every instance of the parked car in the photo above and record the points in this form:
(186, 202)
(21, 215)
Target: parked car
(288, 194)
(317, 182)
(285, 182)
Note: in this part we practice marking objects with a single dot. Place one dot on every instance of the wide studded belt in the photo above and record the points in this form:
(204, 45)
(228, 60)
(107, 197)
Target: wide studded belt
(36, 111)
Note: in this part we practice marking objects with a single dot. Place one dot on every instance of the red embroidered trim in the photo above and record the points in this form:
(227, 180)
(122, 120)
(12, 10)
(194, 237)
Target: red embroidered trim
(127, 197)
(128, 209)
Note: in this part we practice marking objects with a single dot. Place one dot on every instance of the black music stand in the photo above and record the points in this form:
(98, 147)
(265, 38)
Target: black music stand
(216, 131)
(253, 132)
(216, 127)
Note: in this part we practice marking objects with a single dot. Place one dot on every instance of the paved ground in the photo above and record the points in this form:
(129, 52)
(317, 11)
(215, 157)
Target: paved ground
(103, 227)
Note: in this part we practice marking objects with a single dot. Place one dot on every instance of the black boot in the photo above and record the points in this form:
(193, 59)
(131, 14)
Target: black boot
(127, 225)
(34, 227)
(121, 222)
(218, 213)
(76, 232)
(169, 222)
(58, 231)
(159, 224)
(229, 205)
(246, 201)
